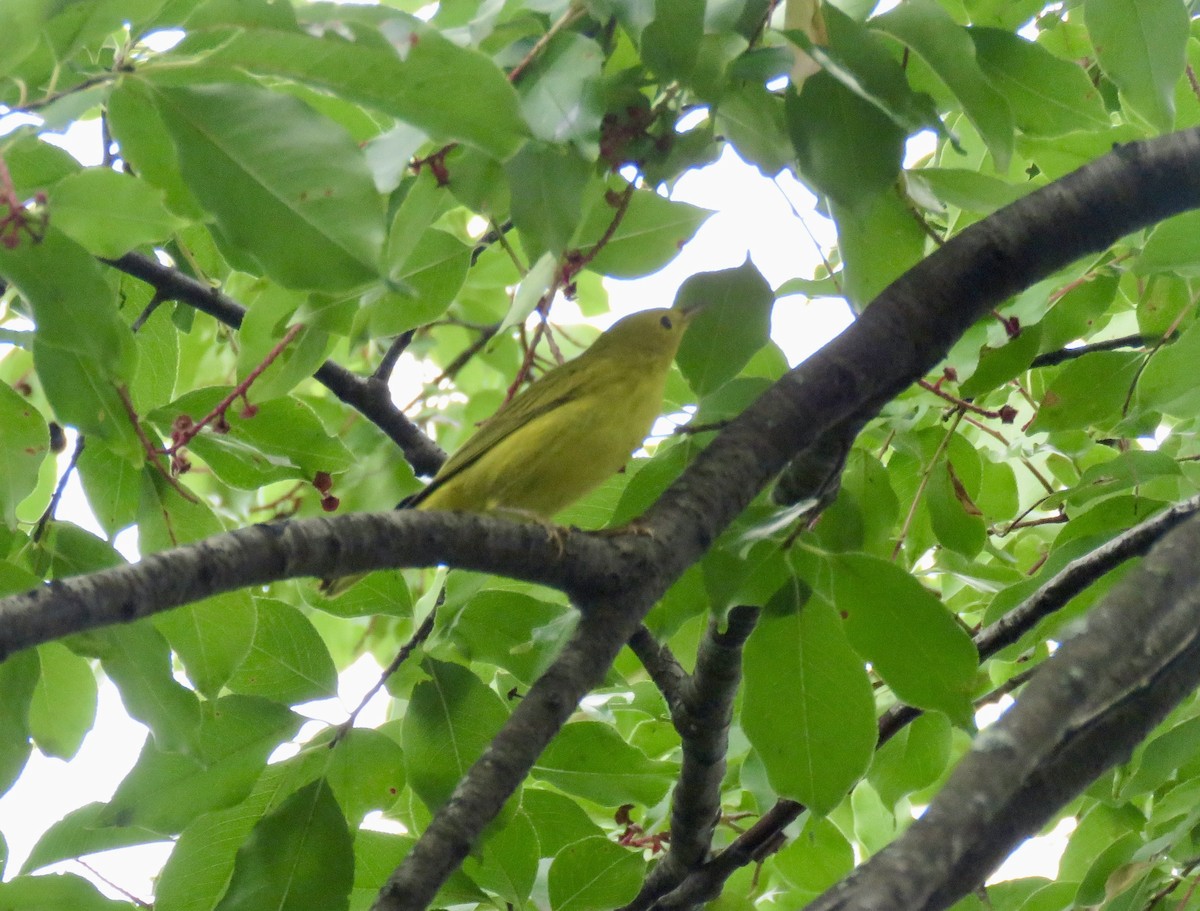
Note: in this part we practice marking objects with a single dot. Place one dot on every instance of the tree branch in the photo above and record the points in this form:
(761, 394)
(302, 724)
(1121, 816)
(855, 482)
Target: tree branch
(1078, 575)
(480, 795)
(666, 672)
(584, 565)
(909, 328)
(370, 397)
(1051, 358)
(1135, 656)
(703, 725)
(1054, 595)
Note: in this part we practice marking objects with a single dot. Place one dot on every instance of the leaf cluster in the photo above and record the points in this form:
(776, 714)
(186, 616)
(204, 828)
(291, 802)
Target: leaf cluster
(319, 243)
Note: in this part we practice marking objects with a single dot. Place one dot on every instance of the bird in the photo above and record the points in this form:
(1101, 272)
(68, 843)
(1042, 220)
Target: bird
(565, 433)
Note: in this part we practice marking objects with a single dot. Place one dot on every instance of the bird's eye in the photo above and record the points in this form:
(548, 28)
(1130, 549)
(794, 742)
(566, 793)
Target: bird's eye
(666, 322)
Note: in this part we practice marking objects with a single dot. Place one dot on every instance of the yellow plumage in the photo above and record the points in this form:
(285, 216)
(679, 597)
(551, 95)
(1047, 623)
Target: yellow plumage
(566, 433)
(570, 430)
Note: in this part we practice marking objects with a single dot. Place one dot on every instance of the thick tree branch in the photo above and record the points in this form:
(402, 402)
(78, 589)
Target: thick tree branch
(586, 566)
(1133, 658)
(370, 396)
(481, 793)
(703, 725)
(1053, 596)
(909, 328)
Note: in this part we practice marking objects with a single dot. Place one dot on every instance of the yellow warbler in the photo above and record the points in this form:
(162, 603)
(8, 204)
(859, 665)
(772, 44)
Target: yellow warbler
(568, 431)
(565, 433)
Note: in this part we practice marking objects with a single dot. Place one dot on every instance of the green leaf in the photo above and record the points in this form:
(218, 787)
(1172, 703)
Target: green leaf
(1172, 247)
(451, 718)
(424, 202)
(965, 189)
(560, 92)
(211, 637)
(594, 874)
(137, 659)
(145, 144)
(282, 439)
(1168, 383)
(913, 759)
(733, 321)
(591, 760)
(547, 184)
(1002, 364)
(955, 526)
(508, 863)
(82, 347)
(818, 857)
(861, 62)
(751, 118)
(24, 445)
(109, 213)
(201, 863)
(878, 245)
(649, 235)
(57, 890)
(1009, 14)
(157, 371)
(167, 790)
(912, 641)
(514, 631)
(558, 820)
(270, 312)
(846, 147)
(406, 69)
(1064, 154)
(1142, 48)
(366, 772)
(87, 830)
(64, 704)
(1088, 392)
(671, 41)
(1077, 311)
(18, 682)
(799, 664)
(21, 26)
(298, 857)
(945, 47)
(1049, 96)
(384, 593)
(1093, 889)
(1159, 758)
(432, 275)
(1133, 469)
(288, 660)
(289, 189)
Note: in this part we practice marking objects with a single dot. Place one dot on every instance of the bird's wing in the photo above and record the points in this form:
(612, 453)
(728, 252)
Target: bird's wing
(567, 382)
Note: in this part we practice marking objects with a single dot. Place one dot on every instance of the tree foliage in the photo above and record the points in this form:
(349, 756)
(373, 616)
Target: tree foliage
(983, 489)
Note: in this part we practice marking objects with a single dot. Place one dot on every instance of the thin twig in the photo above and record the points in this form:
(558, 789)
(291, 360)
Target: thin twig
(238, 391)
(414, 641)
(52, 508)
(388, 362)
(572, 15)
(152, 451)
(1062, 355)
(924, 482)
(372, 399)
